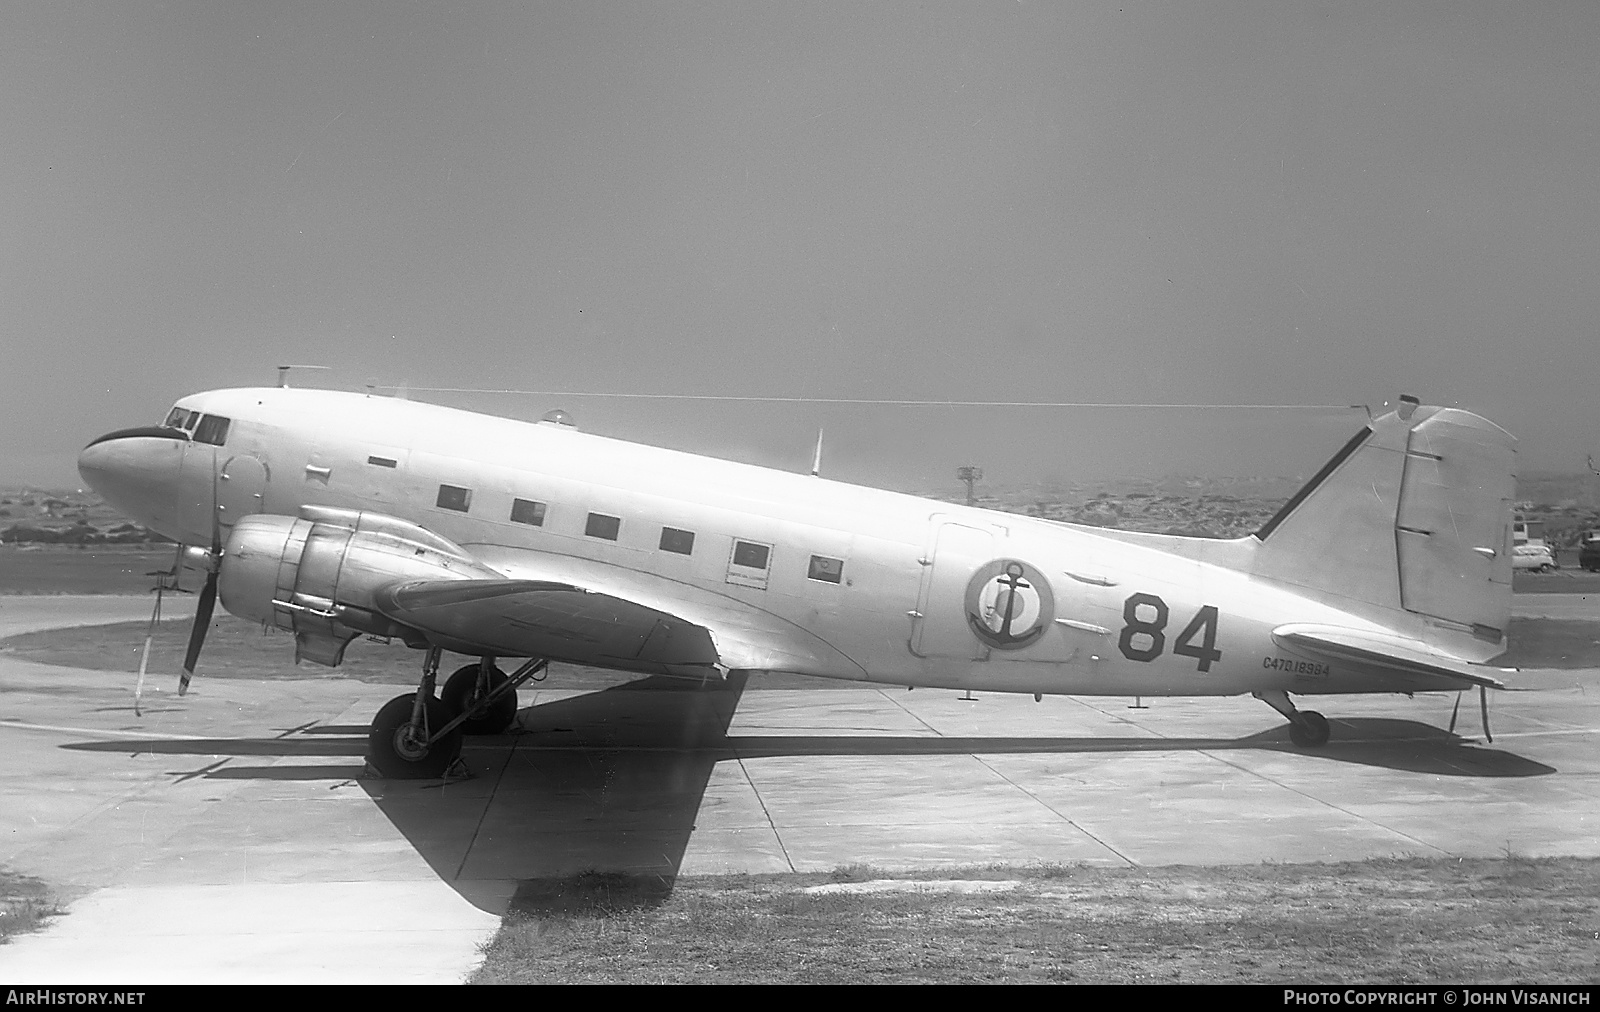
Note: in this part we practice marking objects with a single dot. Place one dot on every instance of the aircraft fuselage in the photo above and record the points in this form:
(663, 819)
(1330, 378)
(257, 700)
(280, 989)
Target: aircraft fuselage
(799, 573)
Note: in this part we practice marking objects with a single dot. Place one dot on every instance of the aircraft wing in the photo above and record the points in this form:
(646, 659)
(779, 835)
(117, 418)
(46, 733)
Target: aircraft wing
(745, 637)
(536, 618)
(1405, 657)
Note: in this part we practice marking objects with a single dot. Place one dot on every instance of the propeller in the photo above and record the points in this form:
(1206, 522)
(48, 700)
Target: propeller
(208, 593)
(197, 633)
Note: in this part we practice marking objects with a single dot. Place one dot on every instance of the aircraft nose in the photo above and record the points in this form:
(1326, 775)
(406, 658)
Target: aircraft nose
(132, 467)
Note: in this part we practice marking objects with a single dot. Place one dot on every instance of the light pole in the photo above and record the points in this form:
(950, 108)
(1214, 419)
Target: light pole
(970, 475)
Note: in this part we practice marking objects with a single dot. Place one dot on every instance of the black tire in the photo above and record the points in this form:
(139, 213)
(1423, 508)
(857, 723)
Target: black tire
(392, 752)
(460, 694)
(1310, 731)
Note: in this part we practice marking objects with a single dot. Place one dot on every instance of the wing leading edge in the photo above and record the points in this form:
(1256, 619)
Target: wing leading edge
(537, 618)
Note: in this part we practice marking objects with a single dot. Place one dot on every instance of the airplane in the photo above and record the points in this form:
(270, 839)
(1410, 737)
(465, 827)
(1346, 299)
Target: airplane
(333, 515)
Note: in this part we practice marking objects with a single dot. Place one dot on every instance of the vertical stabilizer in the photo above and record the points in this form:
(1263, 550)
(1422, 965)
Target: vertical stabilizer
(1408, 525)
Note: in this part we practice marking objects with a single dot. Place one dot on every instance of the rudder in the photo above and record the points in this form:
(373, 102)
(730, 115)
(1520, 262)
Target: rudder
(1408, 525)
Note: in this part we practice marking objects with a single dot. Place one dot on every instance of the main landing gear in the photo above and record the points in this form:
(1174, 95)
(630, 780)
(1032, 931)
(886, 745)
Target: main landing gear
(1307, 728)
(418, 735)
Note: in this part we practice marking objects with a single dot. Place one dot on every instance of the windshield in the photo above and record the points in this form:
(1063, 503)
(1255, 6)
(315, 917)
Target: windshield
(181, 418)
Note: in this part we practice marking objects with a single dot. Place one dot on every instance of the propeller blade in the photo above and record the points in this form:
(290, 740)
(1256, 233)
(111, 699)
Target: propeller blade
(197, 635)
(208, 593)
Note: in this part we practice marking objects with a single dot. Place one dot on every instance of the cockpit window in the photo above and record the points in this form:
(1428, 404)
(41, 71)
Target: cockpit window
(212, 429)
(182, 418)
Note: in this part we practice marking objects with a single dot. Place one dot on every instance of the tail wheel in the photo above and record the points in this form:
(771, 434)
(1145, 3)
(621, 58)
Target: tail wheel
(461, 695)
(1310, 731)
(400, 752)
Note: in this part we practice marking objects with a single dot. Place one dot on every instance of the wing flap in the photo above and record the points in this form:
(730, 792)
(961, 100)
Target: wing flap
(539, 618)
(1399, 655)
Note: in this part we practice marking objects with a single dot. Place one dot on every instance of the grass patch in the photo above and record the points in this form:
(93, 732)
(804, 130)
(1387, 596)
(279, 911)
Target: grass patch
(102, 569)
(235, 648)
(25, 903)
(1398, 921)
(239, 648)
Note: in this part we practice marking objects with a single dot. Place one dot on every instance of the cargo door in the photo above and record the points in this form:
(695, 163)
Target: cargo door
(953, 553)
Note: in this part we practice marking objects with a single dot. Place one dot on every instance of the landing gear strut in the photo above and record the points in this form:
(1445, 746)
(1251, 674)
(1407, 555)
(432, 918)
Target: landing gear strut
(411, 737)
(479, 691)
(1307, 728)
(418, 735)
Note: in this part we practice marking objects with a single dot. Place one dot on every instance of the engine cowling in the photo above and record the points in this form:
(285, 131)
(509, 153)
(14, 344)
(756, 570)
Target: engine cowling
(314, 575)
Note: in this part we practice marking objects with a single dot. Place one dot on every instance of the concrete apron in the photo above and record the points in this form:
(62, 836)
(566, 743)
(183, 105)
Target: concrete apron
(201, 862)
(227, 836)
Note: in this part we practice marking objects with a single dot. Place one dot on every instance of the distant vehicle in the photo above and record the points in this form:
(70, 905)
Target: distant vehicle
(1527, 532)
(1589, 550)
(1536, 557)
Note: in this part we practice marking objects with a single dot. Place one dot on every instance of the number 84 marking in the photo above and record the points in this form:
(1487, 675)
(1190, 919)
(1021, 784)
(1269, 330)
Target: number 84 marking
(1203, 625)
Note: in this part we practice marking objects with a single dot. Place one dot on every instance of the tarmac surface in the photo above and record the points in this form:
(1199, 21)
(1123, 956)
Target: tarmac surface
(231, 836)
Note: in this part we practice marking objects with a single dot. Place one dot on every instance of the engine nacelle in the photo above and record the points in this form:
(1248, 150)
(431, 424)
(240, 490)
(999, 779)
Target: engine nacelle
(315, 575)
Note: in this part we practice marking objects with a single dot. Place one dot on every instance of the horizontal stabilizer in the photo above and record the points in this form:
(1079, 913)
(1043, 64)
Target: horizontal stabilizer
(1397, 654)
(535, 618)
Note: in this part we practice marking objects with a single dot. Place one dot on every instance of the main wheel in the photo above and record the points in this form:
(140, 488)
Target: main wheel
(460, 695)
(397, 752)
(1310, 730)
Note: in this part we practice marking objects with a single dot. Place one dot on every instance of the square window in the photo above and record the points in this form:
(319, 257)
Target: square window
(602, 526)
(452, 497)
(750, 554)
(526, 511)
(674, 540)
(213, 429)
(825, 569)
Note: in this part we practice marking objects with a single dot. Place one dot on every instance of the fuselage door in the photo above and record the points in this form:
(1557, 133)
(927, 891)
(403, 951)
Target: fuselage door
(241, 489)
(193, 502)
(955, 552)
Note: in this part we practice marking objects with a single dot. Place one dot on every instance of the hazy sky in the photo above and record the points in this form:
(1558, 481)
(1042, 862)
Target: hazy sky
(1274, 203)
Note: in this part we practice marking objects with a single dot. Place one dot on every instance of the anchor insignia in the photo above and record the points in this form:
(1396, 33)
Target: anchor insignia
(1009, 604)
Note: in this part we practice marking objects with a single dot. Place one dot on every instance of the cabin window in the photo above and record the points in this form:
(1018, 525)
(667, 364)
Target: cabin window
(602, 526)
(674, 540)
(750, 555)
(212, 429)
(825, 569)
(747, 566)
(453, 497)
(383, 461)
(526, 511)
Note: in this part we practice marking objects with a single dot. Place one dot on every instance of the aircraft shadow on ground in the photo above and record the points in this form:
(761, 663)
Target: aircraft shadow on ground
(593, 802)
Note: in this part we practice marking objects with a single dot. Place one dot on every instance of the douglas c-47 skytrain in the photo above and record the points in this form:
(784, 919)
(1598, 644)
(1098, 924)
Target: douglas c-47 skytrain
(332, 515)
